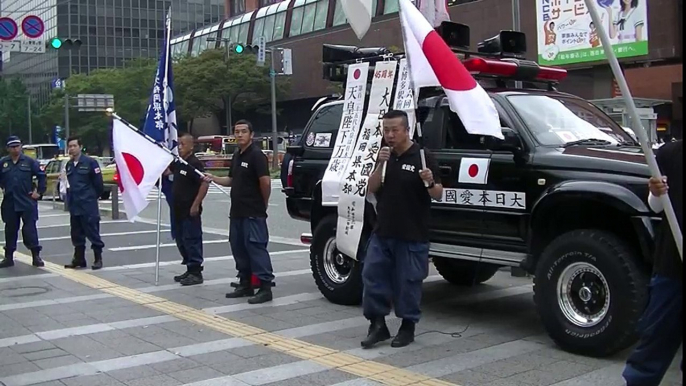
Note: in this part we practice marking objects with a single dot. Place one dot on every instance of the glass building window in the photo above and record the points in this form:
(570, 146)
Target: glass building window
(390, 6)
(279, 25)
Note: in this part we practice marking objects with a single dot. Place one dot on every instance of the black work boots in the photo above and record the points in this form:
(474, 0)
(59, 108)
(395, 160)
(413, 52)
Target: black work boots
(378, 332)
(264, 294)
(36, 261)
(8, 260)
(79, 260)
(245, 289)
(193, 276)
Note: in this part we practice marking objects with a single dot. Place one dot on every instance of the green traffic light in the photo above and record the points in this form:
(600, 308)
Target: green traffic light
(56, 43)
(239, 49)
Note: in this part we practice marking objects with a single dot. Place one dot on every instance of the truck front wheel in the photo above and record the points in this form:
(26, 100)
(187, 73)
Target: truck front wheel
(338, 277)
(464, 273)
(590, 292)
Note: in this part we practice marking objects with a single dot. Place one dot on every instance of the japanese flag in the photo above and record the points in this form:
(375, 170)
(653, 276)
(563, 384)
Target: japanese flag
(474, 171)
(140, 164)
(433, 64)
(359, 14)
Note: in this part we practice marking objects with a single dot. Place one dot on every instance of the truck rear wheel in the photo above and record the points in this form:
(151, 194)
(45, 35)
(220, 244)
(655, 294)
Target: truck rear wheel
(590, 292)
(463, 272)
(338, 277)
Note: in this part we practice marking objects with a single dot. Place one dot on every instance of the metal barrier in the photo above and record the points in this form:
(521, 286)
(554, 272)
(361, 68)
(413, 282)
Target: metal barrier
(114, 197)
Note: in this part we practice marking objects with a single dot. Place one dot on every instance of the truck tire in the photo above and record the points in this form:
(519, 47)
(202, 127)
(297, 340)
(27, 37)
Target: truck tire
(590, 292)
(338, 277)
(464, 273)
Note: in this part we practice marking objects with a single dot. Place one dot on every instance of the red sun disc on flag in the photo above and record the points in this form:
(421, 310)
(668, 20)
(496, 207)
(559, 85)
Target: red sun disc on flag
(473, 170)
(135, 169)
(357, 74)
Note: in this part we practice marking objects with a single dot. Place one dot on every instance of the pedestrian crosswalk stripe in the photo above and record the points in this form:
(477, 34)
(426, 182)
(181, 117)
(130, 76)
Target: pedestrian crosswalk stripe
(335, 359)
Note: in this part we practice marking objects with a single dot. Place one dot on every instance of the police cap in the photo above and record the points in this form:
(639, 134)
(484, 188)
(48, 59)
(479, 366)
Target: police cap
(13, 140)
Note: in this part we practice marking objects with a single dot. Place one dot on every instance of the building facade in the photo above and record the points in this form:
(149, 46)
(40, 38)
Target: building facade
(304, 25)
(111, 32)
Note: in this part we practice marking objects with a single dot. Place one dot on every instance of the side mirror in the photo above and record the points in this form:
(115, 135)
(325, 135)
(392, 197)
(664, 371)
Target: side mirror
(512, 141)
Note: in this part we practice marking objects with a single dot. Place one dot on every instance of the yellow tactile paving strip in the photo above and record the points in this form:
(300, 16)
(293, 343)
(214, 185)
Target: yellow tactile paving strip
(379, 372)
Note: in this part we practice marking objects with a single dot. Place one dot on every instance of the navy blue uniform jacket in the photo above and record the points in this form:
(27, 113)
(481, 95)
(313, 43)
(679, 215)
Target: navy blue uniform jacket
(17, 182)
(85, 186)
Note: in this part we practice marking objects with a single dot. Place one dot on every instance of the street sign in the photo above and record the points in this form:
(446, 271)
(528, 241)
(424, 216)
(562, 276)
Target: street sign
(33, 46)
(262, 51)
(94, 102)
(58, 83)
(8, 29)
(10, 46)
(287, 57)
(32, 26)
(25, 46)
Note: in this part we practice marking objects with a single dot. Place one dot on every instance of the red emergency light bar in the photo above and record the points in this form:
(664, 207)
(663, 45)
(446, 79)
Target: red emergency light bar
(520, 70)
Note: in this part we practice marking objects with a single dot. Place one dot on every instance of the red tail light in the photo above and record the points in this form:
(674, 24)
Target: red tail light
(115, 178)
(289, 178)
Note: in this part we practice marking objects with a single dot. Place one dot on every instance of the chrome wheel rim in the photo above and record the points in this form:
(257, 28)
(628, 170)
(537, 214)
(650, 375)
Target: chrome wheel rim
(336, 265)
(583, 294)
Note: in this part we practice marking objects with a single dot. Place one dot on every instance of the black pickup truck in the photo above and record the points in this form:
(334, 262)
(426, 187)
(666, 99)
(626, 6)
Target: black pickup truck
(564, 198)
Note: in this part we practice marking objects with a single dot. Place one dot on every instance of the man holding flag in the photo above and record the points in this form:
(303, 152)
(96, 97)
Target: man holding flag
(160, 120)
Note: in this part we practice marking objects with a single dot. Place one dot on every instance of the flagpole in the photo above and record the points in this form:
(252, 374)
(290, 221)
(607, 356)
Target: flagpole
(159, 181)
(637, 126)
(415, 93)
(159, 232)
(114, 115)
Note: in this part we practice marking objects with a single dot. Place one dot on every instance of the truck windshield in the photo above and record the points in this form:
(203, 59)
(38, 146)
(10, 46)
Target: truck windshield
(557, 121)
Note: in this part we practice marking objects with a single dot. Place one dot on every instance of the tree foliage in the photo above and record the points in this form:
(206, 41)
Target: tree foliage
(130, 87)
(201, 85)
(14, 110)
(204, 82)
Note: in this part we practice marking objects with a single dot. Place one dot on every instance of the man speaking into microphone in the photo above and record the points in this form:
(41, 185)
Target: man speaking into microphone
(397, 259)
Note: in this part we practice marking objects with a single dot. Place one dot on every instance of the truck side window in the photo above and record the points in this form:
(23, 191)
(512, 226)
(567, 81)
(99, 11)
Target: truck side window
(325, 126)
(457, 136)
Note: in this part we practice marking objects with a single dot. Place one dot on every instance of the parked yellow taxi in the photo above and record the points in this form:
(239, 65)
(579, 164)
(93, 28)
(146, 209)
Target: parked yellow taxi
(54, 172)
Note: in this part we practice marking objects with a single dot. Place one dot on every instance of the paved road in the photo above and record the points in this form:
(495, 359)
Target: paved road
(115, 327)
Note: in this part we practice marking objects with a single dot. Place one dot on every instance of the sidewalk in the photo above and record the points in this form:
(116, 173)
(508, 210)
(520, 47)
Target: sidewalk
(115, 327)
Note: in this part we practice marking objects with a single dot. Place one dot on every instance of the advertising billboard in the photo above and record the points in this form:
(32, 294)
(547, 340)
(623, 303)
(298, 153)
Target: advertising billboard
(566, 34)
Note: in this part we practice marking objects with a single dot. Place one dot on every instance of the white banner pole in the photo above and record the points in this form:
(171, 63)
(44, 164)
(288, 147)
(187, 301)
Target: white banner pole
(159, 231)
(636, 124)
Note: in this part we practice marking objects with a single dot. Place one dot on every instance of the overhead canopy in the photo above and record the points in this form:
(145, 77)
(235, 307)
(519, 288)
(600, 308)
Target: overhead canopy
(618, 103)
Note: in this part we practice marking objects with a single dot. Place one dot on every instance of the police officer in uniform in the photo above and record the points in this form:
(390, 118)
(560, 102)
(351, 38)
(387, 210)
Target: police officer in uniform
(250, 190)
(20, 201)
(661, 327)
(397, 259)
(85, 188)
(188, 191)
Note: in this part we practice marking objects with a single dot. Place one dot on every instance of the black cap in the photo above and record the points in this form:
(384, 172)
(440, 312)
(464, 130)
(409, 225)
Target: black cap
(13, 140)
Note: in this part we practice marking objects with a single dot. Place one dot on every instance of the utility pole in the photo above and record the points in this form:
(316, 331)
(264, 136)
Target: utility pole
(516, 25)
(275, 140)
(28, 104)
(66, 117)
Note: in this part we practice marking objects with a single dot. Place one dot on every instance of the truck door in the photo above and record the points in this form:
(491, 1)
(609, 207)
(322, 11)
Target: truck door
(507, 212)
(457, 219)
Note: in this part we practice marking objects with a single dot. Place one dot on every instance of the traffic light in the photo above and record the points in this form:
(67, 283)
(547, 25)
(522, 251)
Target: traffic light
(64, 44)
(245, 49)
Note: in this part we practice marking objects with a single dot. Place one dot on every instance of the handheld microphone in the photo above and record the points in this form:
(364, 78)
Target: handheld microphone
(383, 167)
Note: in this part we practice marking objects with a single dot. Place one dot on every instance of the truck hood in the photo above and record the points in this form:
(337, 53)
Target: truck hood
(615, 160)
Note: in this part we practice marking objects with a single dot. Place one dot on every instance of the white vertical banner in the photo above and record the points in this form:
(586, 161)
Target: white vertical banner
(353, 185)
(353, 108)
(404, 97)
